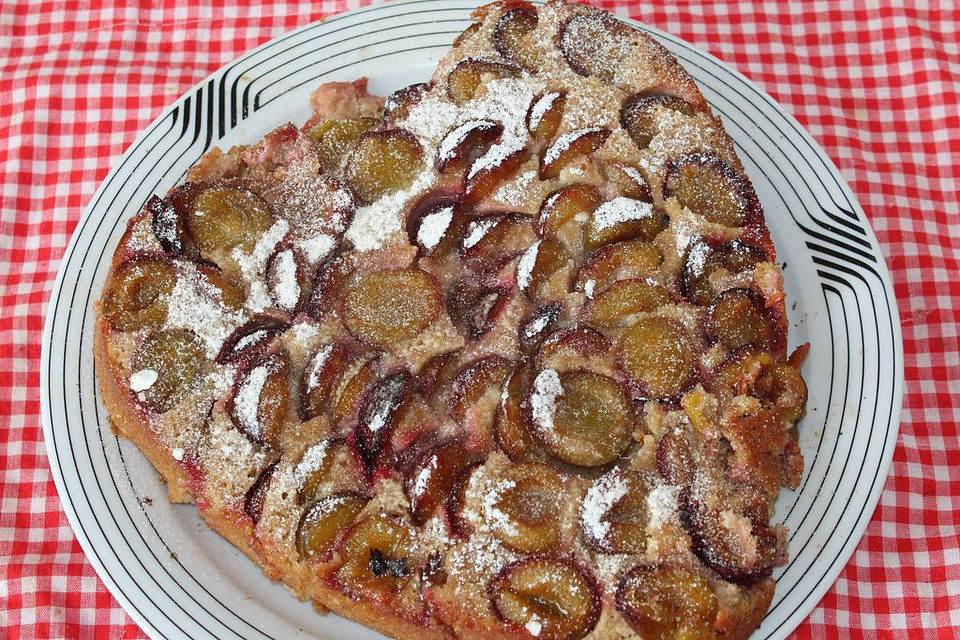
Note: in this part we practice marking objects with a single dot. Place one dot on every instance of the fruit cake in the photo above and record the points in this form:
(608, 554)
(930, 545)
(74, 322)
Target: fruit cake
(503, 355)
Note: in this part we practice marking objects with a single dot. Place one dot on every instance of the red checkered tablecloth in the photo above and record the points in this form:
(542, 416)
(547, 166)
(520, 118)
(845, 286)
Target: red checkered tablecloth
(876, 85)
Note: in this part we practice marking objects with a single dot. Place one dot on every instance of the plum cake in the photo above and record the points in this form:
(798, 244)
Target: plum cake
(501, 355)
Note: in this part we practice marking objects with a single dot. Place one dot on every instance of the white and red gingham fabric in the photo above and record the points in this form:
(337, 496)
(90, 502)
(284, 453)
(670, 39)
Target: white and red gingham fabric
(876, 85)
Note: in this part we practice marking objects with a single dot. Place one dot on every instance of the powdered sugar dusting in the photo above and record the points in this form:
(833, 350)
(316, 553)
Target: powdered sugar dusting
(247, 400)
(423, 477)
(455, 138)
(588, 288)
(678, 134)
(142, 380)
(495, 156)
(476, 230)
(685, 232)
(252, 265)
(540, 108)
(534, 626)
(496, 518)
(619, 210)
(600, 498)
(526, 264)
(189, 308)
(374, 224)
(284, 286)
(316, 368)
(515, 193)
(537, 326)
(546, 389)
(313, 459)
(563, 143)
(662, 503)
(315, 248)
(697, 258)
(433, 226)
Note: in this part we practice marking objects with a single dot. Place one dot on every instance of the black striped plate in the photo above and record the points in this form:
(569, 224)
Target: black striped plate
(179, 580)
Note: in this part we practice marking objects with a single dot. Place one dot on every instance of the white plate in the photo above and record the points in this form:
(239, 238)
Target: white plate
(177, 579)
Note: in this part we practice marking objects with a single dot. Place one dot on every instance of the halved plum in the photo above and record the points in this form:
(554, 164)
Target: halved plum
(324, 520)
(620, 261)
(137, 297)
(619, 304)
(708, 186)
(753, 371)
(581, 418)
(287, 280)
(514, 39)
(474, 396)
(614, 514)
(258, 405)
(386, 307)
(525, 511)
(474, 307)
(431, 479)
(398, 104)
(510, 427)
(491, 170)
(702, 265)
(638, 115)
(738, 545)
(674, 460)
(545, 271)
(416, 430)
(383, 162)
(214, 284)
(257, 494)
(226, 217)
(570, 147)
(628, 180)
(435, 376)
(250, 340)
(177, 357)
(552, 598)
(378, 558)
(312, 472)
(168, 227)
(465, 143)
(545, 114)
(595, 43)
(738, 318)
(335, 138)
(436, 224)
(351, 388)
(667, 602)
(659, 355)
(330, 282)
(469, 75)
(493, 240)
(788, 391)
(623, 219)
(571, 203)
(538, 324)
(570, 348)
(320, 373)
(378, 414)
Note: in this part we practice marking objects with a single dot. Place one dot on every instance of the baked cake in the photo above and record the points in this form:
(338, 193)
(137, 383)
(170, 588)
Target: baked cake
(503, 355)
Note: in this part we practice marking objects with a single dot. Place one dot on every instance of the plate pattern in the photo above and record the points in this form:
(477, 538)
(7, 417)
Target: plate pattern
(178, 579)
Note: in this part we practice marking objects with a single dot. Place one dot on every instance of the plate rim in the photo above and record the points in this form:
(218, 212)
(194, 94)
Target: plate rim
(883, 273)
